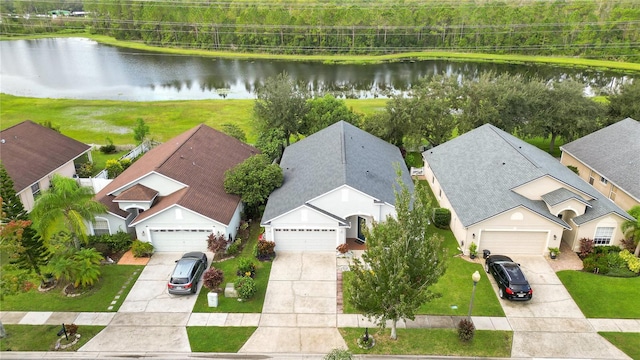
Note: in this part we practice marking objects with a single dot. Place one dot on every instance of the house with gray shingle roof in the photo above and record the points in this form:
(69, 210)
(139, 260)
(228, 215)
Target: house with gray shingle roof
(33, 153)
(335, 182)
(510, 197)
(608, 160)
(174, 196)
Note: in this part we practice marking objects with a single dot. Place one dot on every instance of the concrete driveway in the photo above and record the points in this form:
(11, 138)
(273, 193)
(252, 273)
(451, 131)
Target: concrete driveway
(149, 293)
(551, 325)
(300, 311)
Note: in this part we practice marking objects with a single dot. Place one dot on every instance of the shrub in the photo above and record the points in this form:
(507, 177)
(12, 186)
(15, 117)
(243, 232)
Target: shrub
(342, 248)
(266, 249)
(109, 148)
(71, 329)
(606, 249)
(85, 170)
(125, 163)
(574, 169)
(141, 249)
(466, 330)
(338, 354)
(628, 244)
(441, 218)
(114, 168)
(586, 247)
(243, 231)
(216, 243)
(212, 278)
(473, 249)
(119, 241)
(234, 248)
(246, 287)
(246, 267)
(633, 263)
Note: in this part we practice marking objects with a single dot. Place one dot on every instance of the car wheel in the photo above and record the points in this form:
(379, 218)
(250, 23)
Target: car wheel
(486, 268)
(501, 293)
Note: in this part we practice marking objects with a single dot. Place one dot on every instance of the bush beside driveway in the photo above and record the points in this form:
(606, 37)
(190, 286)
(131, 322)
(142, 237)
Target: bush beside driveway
(601, 296)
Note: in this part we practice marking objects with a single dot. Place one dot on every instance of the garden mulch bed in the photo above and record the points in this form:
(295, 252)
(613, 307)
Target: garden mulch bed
(128, 259)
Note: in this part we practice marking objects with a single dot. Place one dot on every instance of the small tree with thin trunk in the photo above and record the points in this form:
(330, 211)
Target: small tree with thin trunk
(403, 259)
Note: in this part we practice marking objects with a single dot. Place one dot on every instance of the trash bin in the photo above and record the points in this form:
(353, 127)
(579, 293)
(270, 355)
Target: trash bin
(485, 253)
(212, 298)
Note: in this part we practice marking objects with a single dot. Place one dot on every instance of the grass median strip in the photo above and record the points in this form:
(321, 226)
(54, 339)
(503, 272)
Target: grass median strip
(432, 342)
(42, 337)
(629, 343)
(218, 339)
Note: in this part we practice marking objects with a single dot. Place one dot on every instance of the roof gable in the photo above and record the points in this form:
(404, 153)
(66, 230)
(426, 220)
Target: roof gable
(30, 152)
(479, 170)
(197, 158)
(613, 153)
(341, 154)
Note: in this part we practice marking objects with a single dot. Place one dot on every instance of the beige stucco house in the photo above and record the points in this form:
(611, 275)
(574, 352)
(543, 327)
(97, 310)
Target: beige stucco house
(510, 197)
(609, 160)
(32, 154)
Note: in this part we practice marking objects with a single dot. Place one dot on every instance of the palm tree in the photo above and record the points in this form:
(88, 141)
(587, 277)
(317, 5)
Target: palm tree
(631, 228)
(68, 202)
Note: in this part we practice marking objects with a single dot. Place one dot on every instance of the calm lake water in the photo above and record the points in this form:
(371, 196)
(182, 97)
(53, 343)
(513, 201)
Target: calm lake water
(79, 68)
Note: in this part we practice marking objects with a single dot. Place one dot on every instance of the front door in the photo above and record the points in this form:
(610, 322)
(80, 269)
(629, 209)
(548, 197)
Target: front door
(362, 222)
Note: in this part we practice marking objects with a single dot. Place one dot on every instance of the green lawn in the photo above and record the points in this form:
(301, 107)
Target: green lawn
(432, 342)
(455, 286)
(218, 339)
(42, 337)
(229, 268)
(100, 159)
(96, 299)
(591, 291)
(627, 342)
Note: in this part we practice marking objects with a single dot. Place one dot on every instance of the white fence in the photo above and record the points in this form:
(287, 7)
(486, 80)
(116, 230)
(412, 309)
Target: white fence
(134, 153)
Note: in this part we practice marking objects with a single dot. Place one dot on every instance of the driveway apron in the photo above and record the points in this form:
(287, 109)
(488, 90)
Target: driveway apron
(551, 324)
(150, 319)
(300, 312)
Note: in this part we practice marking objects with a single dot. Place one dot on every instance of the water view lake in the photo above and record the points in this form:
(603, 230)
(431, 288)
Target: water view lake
(78, 68)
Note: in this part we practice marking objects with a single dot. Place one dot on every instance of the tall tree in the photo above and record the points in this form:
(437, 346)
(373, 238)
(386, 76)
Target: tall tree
(403, 260)
(564, 111)
(281, 104)
(69, 203)
(253, 179)
(235, 131)
(388, 125)
(324, 111)
(631, 228)
(12, 208)
(625, 103)
(431, 107)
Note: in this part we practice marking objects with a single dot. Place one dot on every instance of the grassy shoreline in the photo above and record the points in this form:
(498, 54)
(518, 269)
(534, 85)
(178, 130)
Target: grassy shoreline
(571, 62)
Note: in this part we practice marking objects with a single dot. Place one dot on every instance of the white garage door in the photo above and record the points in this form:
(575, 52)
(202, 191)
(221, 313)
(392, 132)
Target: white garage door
(305, 239)
(179, 240)
(513, 242)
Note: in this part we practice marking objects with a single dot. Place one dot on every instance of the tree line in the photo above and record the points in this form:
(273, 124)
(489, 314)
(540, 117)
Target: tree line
(600, 29)
(436, 109)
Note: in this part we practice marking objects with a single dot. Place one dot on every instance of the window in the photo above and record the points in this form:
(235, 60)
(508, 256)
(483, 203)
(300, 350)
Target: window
(603, 236)
(101, 227)
(35, 189)
(612, 194)
(591, 179)
(603, 180)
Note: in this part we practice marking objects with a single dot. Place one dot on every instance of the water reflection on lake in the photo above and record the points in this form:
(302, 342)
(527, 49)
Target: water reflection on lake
(83, 69)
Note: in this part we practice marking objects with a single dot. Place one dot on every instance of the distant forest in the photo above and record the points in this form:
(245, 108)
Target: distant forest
(602, 29)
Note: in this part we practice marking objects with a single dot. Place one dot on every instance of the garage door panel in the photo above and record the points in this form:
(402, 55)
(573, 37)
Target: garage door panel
(305, 239)
(513, 242)
(179, 240)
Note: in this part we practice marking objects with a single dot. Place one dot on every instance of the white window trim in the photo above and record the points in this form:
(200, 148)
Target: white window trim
(604, 236)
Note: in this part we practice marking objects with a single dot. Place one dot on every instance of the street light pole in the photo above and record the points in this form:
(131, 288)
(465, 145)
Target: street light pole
(475, 277)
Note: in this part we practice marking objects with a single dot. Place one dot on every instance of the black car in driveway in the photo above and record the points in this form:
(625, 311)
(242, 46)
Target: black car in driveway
(512, 284)
(186, 275)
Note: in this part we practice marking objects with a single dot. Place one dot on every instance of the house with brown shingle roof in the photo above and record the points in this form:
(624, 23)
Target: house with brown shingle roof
(173, 197)
(33, 153)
